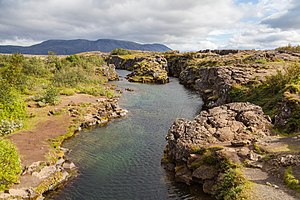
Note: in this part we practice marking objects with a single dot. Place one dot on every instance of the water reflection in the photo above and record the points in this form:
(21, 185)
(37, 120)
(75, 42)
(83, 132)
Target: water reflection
(122, 160)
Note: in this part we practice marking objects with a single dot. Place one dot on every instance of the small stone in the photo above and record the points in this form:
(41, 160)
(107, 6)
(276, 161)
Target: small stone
(60, 161)
(18, 193)
(45, 172)
(69, 165)
(236, 143)
(268, 184)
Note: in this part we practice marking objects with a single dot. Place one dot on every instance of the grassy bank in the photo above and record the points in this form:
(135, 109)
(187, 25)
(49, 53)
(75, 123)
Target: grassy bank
(29, 84)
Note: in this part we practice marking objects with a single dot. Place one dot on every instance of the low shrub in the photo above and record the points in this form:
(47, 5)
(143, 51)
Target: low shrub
(231, 185)
(289, 47)
(12, 106)
(290, 180)
(9, 164)
(120, 51)
(50, 96)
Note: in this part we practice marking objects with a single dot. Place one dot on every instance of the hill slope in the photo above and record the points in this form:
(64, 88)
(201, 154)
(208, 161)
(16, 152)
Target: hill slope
(65, 47)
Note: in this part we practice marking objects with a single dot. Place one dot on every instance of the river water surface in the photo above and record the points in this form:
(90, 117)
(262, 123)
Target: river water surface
(122, 160)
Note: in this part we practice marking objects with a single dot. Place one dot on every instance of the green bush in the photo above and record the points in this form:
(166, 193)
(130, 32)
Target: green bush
(120, 51)
(12, 106)
(12, 72)
(290, 180)
(36, 67)
(50, 96)
(9, 164)
(231, 185)
(69, 77)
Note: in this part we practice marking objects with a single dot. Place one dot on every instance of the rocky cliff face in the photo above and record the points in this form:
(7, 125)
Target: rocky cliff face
(213, 73)
(225, 135)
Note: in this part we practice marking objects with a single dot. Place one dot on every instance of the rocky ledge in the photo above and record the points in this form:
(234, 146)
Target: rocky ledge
(146, 68)
(48, 176)
(100, 113)
(214, 73)
(211, 147)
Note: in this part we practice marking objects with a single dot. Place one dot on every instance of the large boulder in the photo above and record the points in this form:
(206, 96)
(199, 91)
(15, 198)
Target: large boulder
(201, 150)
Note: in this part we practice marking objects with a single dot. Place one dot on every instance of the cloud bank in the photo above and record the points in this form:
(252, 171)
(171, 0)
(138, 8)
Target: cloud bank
(183, 25)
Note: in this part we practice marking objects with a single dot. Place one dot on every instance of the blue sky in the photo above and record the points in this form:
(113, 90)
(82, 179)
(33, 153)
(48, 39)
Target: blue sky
(186, 25)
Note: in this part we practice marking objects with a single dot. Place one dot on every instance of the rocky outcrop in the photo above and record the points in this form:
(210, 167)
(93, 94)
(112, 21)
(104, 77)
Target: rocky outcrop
(198, 150)
(48, 176)
(213, 72)
(145, 68)
(150, 70)
(100, 113)
(287, 116)
(108, 71)
(215, 83)
(221, 51)
(124, 62)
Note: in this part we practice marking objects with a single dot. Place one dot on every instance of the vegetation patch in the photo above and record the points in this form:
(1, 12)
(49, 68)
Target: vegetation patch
(231, 185)
(120, 51)
(279, 88)
(290, 48)
(290, 180)
(9, 164)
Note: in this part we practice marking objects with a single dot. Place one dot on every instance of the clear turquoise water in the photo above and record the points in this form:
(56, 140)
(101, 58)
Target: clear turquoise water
(122, 160)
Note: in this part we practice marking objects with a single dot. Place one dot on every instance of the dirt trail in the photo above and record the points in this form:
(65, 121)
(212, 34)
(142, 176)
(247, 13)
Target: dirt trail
(266, 186)
(33, 145)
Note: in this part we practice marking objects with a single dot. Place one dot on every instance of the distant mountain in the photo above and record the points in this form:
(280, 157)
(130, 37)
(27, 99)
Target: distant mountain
(66, 47)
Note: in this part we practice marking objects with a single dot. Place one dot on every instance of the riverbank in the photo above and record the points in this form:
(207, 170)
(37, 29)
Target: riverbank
(44, 100)
(268, 79)
(43, 159)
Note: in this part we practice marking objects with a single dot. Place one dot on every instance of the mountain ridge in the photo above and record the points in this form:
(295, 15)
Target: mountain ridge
(67, 47)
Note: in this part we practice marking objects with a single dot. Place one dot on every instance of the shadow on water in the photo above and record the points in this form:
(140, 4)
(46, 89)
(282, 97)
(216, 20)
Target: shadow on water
(122, 160)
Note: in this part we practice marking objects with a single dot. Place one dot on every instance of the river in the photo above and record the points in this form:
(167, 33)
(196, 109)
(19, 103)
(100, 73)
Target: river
(122, 160)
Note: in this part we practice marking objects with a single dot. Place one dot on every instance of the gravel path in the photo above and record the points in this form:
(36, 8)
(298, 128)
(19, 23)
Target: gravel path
(266, 187)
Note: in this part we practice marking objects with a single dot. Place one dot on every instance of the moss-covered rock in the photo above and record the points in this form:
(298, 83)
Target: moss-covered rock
(150, 70)
(146, 67)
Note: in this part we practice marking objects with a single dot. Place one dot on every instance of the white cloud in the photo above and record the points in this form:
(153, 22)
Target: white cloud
(183, 25)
